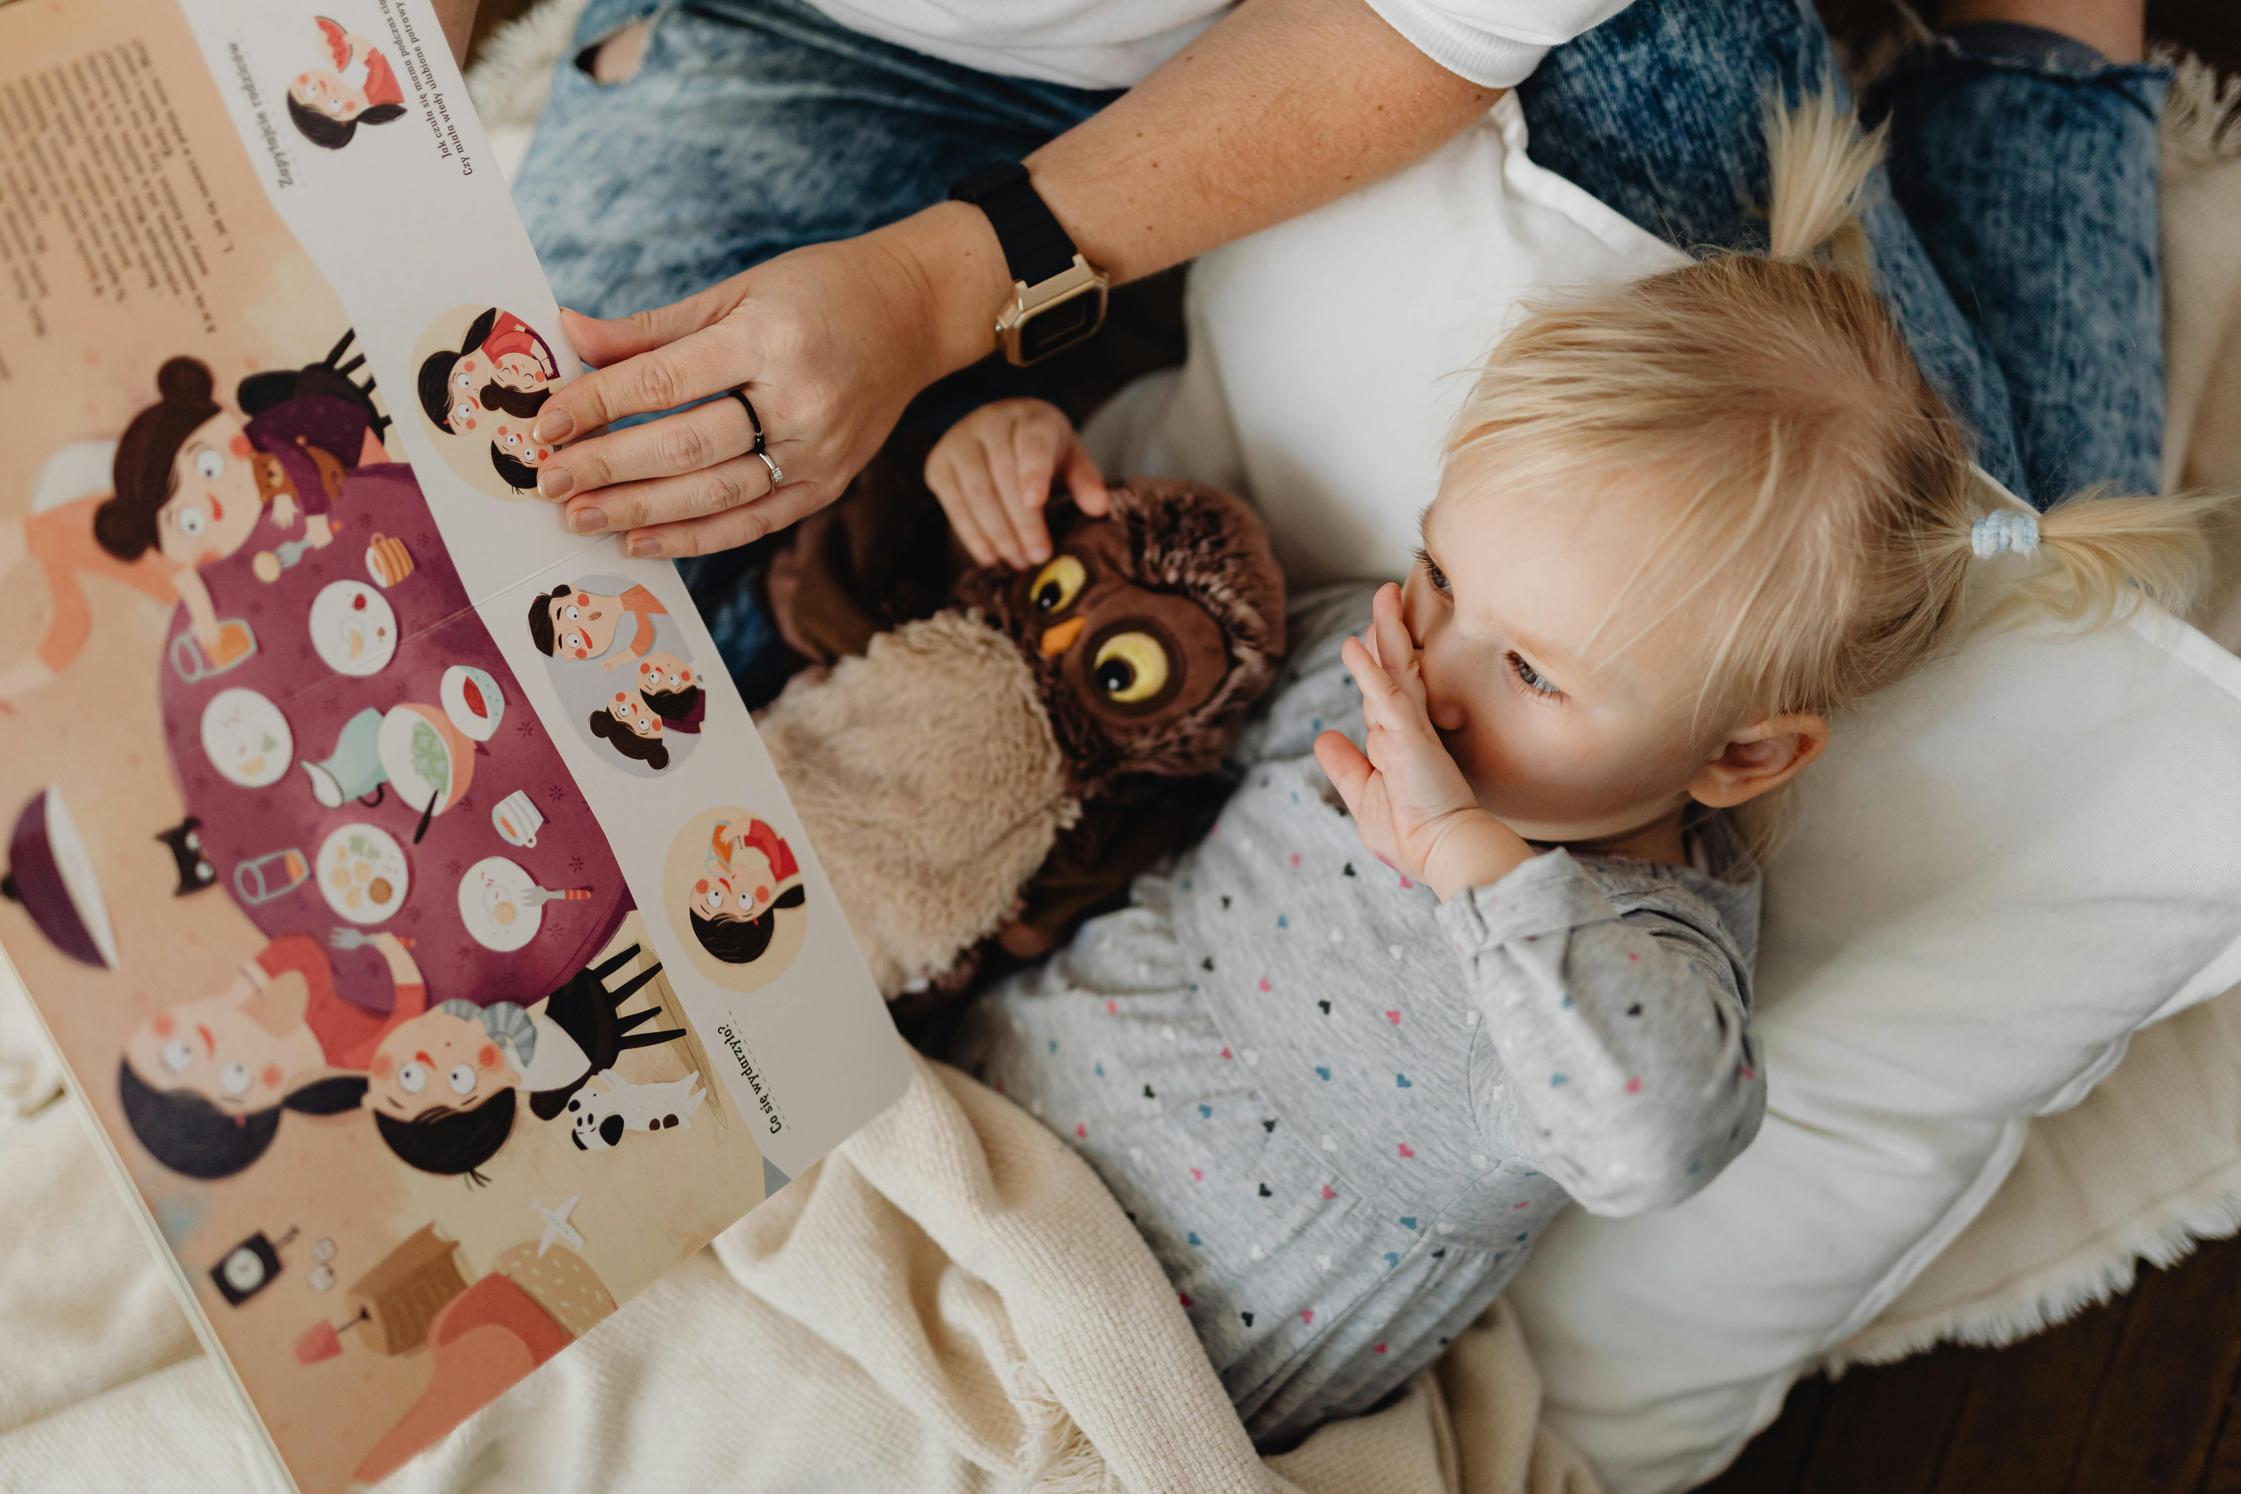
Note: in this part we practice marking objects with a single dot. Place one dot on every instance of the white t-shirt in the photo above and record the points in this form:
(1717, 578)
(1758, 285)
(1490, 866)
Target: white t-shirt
(1115, 43)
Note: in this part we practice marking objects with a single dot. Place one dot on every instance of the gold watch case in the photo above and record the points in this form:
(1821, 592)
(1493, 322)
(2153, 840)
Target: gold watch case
(1053, 315)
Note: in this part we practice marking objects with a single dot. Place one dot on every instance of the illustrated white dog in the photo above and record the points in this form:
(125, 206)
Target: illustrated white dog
(608, 1106)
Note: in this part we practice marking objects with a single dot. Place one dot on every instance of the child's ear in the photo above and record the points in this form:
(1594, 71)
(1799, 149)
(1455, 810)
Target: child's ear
(1759, 758)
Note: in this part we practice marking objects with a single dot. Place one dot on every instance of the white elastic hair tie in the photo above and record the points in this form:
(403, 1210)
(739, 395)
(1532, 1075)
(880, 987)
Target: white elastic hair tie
(2007, 531)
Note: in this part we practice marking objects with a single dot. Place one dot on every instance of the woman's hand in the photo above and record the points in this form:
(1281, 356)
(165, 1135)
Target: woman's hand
(992, 472)
(1412, 806)
(829, 342)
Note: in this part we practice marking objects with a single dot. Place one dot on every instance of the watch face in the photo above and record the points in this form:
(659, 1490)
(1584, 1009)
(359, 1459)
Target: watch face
(1061, 325)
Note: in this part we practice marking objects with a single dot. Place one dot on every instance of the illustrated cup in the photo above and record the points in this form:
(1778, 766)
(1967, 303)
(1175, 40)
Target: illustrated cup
(387, 560)
(517, 820)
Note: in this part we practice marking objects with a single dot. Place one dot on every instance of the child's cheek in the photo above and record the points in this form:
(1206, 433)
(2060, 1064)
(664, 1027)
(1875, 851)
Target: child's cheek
(239, 445)
(488, 1057)
(162, 1024)
(381, 1065)
(272, 1076)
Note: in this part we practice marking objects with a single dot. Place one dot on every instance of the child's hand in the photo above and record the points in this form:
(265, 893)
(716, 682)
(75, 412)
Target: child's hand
(1411, 804)
(992, 472)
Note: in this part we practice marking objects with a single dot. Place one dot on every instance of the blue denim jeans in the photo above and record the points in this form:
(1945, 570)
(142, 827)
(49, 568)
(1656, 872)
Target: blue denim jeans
(2015, 236)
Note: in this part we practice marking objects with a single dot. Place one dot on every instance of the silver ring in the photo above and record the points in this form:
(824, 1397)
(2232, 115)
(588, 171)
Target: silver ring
(777, 473)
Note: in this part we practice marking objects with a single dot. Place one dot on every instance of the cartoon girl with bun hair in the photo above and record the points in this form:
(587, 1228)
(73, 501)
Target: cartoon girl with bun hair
(327, 104)
(629, 724)
(189, 482)
(750, 885)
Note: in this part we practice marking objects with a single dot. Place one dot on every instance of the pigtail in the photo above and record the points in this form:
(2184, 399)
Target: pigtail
(1818, 165)
(2098, 555)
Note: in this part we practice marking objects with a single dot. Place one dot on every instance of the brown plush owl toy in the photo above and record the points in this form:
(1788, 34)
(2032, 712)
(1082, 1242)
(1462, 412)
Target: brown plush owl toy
(937, 771)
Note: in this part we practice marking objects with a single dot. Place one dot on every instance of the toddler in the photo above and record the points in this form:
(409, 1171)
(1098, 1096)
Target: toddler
(1472, 941)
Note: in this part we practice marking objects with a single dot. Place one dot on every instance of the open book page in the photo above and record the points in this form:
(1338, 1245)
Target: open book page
(400, 877)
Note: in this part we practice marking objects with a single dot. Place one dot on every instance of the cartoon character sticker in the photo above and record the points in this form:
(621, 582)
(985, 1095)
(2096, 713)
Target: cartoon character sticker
(736, 898)
(353, 86)
(484, 373)
(612, 650)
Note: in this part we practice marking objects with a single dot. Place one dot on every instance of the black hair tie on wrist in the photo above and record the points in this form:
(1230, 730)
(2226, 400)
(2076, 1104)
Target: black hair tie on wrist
(752, 419)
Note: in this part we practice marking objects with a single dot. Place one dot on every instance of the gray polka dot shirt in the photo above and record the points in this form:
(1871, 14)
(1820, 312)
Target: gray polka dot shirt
(1342, 1113)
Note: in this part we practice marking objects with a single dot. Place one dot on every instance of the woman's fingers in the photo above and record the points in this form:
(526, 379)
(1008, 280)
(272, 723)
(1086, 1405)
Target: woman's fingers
(600, 341)
(686, 442)
(734, 526)
(662, 378)
(669, 500)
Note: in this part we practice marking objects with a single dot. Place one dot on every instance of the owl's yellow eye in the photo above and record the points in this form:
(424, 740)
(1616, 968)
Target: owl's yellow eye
(1131, 667)
(1058, 583)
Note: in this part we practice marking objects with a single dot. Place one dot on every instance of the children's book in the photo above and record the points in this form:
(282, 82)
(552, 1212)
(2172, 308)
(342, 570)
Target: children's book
(399, 877)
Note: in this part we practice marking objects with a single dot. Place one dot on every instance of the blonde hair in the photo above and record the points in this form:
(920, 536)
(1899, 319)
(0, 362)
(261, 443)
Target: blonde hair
(1821, 485)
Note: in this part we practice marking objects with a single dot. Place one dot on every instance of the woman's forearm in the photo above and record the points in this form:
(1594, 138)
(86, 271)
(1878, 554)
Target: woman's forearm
(1281, 106)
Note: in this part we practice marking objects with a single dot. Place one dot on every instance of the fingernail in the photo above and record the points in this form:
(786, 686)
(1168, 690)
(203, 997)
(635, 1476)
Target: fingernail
(587, 521)
(640, 546)
(555, 482)
(555, 425)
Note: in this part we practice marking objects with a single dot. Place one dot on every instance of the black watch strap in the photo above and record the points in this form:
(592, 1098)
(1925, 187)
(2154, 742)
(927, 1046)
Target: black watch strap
(1035, 247)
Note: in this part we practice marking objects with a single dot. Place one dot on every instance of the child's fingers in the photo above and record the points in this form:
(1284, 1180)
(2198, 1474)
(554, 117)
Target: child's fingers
(948, 490)
(1085, 482)
(1382, 701)
(1017, 533)
(1395, 649)
(1037, 444)
(1343, 764)
(978, 493)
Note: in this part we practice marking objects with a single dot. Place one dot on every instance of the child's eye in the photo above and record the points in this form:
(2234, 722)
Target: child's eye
(1532, 679)
(1432, 572)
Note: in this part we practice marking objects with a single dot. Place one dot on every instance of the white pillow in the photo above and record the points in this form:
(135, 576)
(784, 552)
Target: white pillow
(2002, 869)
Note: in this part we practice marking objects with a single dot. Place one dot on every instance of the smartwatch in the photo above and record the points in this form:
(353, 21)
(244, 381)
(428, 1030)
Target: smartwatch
(1058, 298)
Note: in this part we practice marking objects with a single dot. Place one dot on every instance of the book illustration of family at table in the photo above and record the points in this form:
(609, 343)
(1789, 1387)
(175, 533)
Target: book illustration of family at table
(484, 373)
(614, 655)
(351, 772)
(187, 486)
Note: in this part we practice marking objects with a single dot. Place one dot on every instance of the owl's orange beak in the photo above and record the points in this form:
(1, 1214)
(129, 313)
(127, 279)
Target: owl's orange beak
(1061, 638)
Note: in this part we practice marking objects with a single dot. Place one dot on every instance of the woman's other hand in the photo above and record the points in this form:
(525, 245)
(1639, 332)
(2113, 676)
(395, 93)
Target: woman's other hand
(830, 342)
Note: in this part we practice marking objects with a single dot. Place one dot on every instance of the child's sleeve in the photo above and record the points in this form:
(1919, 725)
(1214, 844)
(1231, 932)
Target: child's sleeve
(1625, 1032)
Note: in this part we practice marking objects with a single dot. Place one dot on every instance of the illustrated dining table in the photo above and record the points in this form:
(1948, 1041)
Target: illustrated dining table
(360, 757)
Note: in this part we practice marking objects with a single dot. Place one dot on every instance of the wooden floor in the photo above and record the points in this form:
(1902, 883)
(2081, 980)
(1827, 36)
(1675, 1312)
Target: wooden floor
(2141, 1396)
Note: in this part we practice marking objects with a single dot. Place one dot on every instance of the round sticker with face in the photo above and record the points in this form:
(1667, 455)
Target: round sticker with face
(483, 374)
(613, 651)
(736, 898)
